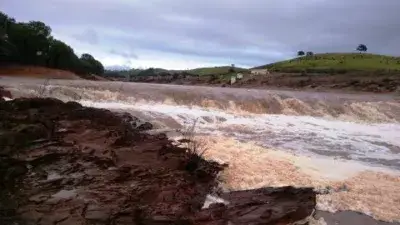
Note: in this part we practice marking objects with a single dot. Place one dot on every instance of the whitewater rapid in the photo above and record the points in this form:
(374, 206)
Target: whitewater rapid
(377, 143)
(268, 137)
(362, 127)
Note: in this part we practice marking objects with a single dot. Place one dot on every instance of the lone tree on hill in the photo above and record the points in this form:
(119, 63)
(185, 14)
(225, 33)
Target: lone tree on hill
(310, 53)
(232, 68)
(362, 48)
(300, 53)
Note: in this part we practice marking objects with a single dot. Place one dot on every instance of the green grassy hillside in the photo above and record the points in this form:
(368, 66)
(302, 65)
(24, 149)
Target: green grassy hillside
(214, 70)
(337, 62)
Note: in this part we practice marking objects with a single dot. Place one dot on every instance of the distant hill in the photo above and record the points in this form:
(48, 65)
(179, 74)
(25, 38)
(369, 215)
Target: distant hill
(336, 62)
(214, 70)
(117, 68)
(220, 71)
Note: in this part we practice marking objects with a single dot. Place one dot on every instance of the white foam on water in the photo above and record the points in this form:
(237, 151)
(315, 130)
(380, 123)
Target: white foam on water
(352, 185)
(300, 134)
(210, 199)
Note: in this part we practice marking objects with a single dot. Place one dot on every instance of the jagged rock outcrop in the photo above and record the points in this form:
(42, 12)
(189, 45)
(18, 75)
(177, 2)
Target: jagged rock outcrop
(62, 163)
(284, 205)
(4, 94)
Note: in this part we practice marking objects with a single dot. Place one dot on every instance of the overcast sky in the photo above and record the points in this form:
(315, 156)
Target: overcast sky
(179, 34)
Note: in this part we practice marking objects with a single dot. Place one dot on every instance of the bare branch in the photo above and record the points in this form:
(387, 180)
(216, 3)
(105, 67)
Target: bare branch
(193, 143)
(42, 88)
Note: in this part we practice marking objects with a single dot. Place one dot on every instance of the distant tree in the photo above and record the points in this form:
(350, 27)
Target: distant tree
(232, 68)
(310, 53)
(31, 43)
(61, 56)
(362, 48)
(87, 57)
(40, 28)
(5, 23)
(91, 65)
(300, 53)
(149, 72)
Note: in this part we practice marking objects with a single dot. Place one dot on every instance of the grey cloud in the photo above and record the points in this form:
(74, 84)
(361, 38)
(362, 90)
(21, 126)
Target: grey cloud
(125, 54)
(88, 35)
(117, 67)
(227, 29)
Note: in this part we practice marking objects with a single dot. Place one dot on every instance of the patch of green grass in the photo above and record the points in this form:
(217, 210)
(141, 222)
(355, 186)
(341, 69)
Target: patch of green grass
(215, 70)
(337, 61)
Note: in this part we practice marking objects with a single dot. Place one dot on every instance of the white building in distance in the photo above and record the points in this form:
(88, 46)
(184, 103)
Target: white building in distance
(259, 72)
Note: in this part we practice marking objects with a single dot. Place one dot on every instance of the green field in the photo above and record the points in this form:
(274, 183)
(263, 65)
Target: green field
(338, 62)
(220, 70)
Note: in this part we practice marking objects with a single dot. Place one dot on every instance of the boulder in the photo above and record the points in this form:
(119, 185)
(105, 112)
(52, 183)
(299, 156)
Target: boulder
(4, 93)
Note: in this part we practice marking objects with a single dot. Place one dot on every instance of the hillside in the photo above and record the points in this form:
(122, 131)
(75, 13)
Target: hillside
(338, 62)
(335, 71)
(214, 70)
(32, 44)
(220, 73)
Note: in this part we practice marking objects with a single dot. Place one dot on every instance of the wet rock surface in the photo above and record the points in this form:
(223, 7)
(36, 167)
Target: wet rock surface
(261, 206)
(61, 163)
(4, 94)
(349, 217)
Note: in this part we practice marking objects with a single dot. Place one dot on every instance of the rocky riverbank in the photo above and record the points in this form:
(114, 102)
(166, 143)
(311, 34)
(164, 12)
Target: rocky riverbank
(62, 163)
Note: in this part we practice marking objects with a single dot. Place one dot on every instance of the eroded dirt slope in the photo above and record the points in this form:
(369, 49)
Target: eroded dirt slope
(37, 72)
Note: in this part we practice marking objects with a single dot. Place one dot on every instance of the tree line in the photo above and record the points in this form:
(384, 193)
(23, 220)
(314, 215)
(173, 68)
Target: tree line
(31, 43)
(360, 48)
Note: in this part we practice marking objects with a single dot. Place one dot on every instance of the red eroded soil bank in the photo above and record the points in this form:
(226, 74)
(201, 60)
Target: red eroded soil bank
(62, 163)
(36, 72)
(45, 73)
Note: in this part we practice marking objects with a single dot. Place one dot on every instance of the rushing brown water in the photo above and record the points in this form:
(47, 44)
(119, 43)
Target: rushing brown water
(269, 137)
(350, 126)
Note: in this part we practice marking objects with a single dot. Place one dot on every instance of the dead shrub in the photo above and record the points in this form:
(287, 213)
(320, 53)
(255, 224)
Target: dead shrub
(194, 145)
(42, 88)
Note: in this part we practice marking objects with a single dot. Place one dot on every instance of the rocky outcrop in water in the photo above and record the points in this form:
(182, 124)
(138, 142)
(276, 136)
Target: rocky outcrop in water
(261, 206)
(64, 164)
(4, 94)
